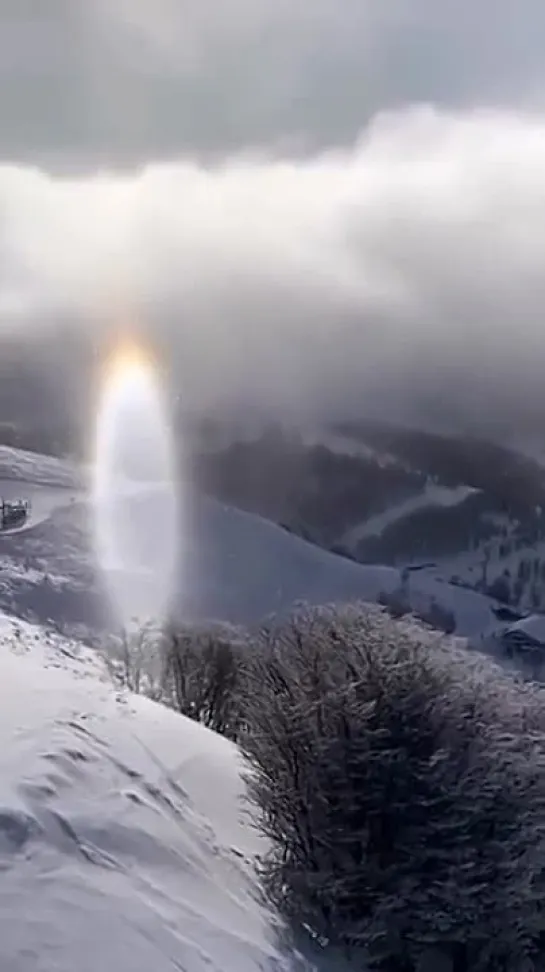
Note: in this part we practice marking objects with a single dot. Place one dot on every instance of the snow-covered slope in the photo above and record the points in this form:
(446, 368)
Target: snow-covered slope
(245, 567)
(235, 566)
(398, 496)
(33, 468)
(124, 839)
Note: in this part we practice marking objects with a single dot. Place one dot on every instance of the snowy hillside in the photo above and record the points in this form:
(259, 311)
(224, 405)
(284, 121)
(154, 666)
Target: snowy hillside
(45, 470)
(124, 839)
(398, 496)
(235, 566)
(247, 567)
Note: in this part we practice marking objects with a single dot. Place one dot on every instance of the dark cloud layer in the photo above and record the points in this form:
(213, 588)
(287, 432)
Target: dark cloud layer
(85, 80)
(303, 236)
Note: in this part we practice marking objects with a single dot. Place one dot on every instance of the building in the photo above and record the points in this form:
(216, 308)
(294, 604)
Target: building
(524, 641)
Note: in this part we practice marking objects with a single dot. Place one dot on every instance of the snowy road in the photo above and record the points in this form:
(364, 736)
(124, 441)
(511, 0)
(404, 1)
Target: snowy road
(44, 501)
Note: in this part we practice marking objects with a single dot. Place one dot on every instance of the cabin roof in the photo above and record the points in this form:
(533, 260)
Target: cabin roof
(532, 627)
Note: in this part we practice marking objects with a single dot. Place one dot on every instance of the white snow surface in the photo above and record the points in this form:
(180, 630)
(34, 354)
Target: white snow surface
(125, 842)
(32, 467)
(263, 569)
(234, 566)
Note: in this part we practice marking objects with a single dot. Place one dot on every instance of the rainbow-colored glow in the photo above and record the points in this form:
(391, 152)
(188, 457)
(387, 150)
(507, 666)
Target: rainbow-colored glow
(135, 492)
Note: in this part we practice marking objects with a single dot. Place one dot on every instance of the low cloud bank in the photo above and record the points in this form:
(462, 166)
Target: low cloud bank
(403, 276)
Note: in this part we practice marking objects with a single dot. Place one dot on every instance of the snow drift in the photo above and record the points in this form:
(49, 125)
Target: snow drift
(123, 836)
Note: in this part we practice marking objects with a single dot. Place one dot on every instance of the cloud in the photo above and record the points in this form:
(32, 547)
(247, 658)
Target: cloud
(127, 80)
(405, 275)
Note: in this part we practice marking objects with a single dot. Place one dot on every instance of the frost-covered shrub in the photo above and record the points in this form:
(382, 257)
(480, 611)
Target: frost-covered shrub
(203, 674)
(199, 670)
(134, 659)
(400, 781)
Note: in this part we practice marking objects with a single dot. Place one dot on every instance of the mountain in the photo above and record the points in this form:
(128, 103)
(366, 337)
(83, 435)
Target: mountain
(114, 848)
(471, 510)
(235, 566)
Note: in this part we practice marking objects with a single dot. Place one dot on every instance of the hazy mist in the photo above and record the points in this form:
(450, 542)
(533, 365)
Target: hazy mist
(406, 272)
(292, 230)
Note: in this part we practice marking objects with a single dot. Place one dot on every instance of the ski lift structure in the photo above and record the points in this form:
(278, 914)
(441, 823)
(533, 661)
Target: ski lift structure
(13, 513)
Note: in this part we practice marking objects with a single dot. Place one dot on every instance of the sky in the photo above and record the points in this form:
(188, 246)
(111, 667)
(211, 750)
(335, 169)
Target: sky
(327, 206)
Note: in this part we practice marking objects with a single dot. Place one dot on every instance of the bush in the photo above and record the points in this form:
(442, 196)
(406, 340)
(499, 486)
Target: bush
(134, 660)
(203, 675)
(197, 670)
(399, 779)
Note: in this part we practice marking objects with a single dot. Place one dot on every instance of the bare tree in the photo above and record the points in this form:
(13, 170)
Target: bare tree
(134, 659)
(203, 675)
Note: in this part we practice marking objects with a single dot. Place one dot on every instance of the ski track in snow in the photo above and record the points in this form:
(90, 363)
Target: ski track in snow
(432, 495)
